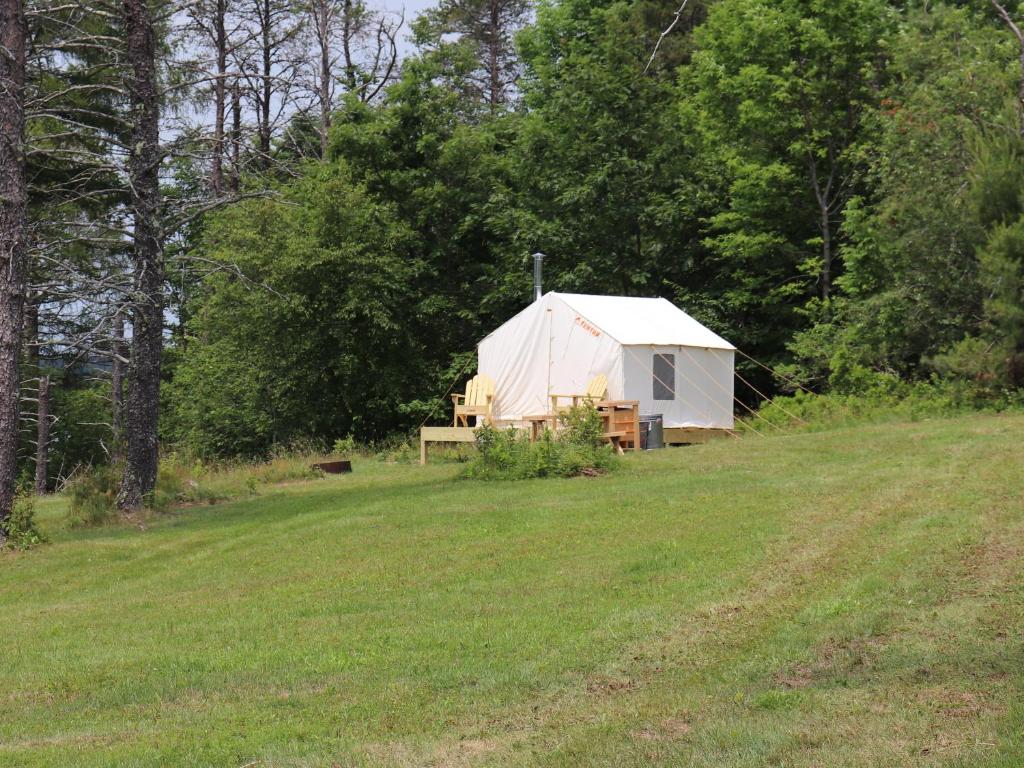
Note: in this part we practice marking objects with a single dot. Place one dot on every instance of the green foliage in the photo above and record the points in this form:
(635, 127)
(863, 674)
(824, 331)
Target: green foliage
(998, 192)
(347, 304)
(344, 446)
(171, 481)
(93, 493)
(912, 284)
(508, 454)
(779, 95)
(877, 398)
(318, 340)
(607, 179)
(79, 433)
(470, 42)
(1002, 272)
(582, 426)
(985, 365)
(19, 530)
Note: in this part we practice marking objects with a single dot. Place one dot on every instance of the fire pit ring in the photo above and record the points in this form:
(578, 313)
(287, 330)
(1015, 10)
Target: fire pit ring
(334, 467)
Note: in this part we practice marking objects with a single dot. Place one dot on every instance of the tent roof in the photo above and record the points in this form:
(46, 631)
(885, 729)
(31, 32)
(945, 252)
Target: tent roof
(632, 321)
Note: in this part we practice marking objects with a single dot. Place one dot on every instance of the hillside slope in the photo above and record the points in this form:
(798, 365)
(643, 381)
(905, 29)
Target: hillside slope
(843, 598)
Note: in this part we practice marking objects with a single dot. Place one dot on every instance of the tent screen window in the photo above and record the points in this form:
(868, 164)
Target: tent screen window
(664, 377)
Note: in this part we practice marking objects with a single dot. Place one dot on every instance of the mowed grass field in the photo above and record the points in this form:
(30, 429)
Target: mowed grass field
(843, 598)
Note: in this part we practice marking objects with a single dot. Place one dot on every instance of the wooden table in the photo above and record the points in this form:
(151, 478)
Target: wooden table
(621, 422)
(539, 422)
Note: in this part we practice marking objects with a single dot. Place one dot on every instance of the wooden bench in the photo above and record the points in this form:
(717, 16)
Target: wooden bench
(444, 435)
(615, 438)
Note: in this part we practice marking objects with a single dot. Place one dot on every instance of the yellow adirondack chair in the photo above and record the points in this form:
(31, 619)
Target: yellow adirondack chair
(476, 402)
(597, 389)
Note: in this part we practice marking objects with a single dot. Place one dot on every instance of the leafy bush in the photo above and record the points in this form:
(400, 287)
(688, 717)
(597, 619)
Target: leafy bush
(93, 495)
(344, 446)
(19, 529)
(992, 369)
(884, 401)
(583, 427)
(508, 454)
(171, 480)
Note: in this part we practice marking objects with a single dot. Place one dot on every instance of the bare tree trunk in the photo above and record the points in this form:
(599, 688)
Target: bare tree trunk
(12, 238)
(347, 33)
(266, 82)
(30, 335)
(494, 56)
(42, 435)
(30, 332)
(826, 253)
(117, 389)
(142, 407)
(823, 195)
(219, 93)
(324, 37)
(236, 136)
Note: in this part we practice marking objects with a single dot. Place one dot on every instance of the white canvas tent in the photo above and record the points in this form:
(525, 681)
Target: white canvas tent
(649, 349)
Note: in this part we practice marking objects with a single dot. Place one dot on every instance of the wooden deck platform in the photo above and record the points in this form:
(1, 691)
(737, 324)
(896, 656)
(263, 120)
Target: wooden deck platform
(673, 436)
(692, 435)
(444, 435)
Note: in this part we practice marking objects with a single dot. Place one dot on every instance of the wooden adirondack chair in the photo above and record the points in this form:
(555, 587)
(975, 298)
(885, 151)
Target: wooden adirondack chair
(476, 401)
(597, 389)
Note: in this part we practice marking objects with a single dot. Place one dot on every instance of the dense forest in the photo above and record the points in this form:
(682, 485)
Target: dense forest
(226, 225)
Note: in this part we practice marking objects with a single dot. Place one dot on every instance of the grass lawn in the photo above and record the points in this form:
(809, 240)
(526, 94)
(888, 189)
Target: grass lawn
(843, 598)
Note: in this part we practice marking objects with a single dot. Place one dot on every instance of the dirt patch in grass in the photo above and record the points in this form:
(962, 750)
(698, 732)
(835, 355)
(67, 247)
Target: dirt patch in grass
(669, 729)
(677, 726)
(991, 566)
(458, 754)
(958, 705)
(605, 685)
(833, 659)
(799, 677)
(464, 753)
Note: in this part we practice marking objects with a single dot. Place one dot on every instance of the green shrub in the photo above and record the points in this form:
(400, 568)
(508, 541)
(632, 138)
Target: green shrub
(583, 427)
(397, 448)
(508, 454)
(171, 479)
(344, 446)
(885, 401)
(93, 495)
(990, 370)
(19, 529)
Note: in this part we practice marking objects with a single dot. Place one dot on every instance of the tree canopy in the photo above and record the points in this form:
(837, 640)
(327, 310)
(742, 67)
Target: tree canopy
(834, 186)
